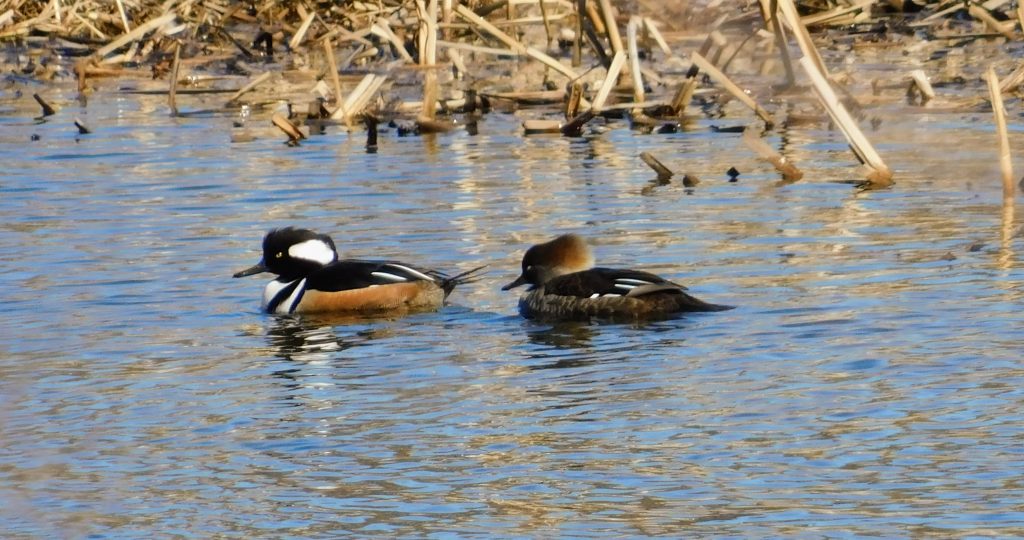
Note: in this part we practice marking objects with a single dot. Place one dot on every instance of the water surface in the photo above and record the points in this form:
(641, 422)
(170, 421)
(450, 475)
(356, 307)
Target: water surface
(869, 383)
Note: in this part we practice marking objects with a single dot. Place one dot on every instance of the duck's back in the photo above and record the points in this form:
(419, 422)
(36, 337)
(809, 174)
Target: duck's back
(610, 293)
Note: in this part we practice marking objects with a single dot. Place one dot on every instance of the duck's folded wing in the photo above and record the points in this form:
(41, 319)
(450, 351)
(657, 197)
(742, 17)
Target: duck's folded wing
(598, 282)
(349, 274)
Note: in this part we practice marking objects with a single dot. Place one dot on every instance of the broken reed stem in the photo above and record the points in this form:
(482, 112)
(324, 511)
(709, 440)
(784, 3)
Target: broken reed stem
(291, 130)
(428, 58)
(577, 42)
(124, 16)
(381, 28)
(135, 34)
(609, 81)
(923, 85)
(770, 12)
(300, 35)
(663, 172)
(736, 91)
(985, 17)
(48, 109)
(803, 37)
(1013, 80)
(572, 104)
(171, 94)
(333, 66)
(634, 59)
(252, 84)
(790, 172)
(656, 34)
(1005, 163)
(879, 175)
(547, 23)
(479, 21)
(611, 27)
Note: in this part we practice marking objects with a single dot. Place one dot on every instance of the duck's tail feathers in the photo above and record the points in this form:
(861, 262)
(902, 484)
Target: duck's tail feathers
(688, 302)
(448, 284)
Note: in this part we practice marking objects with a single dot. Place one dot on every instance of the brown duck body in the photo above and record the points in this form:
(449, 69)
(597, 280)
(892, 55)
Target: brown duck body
(576, 297)
(311, 279)
(564, 286)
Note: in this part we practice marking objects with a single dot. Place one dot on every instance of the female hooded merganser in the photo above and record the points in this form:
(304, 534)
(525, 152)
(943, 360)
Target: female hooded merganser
(311, 279)
(564, 285)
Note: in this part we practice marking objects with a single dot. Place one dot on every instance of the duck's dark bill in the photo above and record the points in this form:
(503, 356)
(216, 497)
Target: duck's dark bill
(256, 269)
(519, 281)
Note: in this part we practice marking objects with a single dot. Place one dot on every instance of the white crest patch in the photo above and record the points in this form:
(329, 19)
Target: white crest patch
(313, 250)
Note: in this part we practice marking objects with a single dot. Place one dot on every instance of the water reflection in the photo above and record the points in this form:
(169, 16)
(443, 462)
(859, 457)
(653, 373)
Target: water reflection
(867, 385)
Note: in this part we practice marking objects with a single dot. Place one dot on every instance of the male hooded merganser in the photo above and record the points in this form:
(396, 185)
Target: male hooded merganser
(311, 279)
(564, 285)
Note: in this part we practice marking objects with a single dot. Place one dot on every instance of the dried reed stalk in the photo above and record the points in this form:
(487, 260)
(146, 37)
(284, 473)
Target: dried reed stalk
(249, 86)
(48, 109)
(572, 103)
(985, 17)
(300, 35)
(469, 16)
(790, 172)
(1013, 80)
(1005, 162)
(291, 130)
(733, 89)
(803, 37)
(172, 92)
(609, 81)
(658, 38)
(381, 28)
(634, 58)
(124, 16)
(82, 128)
(135, 34)
(923, 85)
(428, 58)
(611, 27)
(770, 14)
(333, 66)
(664, 173)
(879, 175)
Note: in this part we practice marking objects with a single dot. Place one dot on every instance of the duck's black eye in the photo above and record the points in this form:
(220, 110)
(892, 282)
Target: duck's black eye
(279, 255)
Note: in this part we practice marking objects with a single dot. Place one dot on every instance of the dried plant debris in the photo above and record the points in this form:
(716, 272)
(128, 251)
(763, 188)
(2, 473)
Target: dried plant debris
(422, 62)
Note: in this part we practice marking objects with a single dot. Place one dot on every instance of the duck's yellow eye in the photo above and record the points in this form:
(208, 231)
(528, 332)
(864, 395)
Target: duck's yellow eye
(279, 255)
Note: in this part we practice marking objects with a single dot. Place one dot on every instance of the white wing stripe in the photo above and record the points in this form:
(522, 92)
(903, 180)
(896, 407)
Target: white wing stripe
(633, 281)
(412, 272)
(389, 277)
(624, 286)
